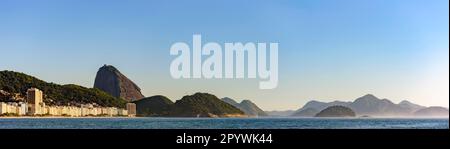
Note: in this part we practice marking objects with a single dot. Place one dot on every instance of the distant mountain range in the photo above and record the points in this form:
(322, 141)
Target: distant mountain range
(247, 106)
(369, 105)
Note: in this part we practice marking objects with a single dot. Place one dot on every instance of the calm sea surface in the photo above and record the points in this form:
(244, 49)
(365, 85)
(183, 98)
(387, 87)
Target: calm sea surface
(222, 123)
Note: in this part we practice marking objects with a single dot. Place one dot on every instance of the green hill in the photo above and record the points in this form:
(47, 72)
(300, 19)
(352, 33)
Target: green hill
(336, 111)
(54, 94)
(203, 105)
(153, 106)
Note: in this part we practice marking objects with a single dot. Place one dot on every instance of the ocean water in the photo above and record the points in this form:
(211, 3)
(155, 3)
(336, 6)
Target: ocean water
(223, 123)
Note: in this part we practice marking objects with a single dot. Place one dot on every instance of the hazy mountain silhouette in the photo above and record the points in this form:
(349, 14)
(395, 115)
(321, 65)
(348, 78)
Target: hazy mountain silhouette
(247, 106)
(432, 111)
(311, 108)
(307, 112)
(410, 106)
(370, 105)
(336, 111)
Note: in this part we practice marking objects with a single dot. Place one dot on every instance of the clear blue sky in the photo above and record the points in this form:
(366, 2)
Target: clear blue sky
(329, 49)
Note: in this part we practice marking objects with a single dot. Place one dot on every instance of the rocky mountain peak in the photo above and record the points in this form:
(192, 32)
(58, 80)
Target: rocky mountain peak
(112, 81)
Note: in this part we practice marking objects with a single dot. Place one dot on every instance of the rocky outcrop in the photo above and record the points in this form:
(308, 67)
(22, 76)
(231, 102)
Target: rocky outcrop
(110, 80)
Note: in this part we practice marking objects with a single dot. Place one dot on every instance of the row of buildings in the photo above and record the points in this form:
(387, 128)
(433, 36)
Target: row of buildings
(17, 108)
(35, 105)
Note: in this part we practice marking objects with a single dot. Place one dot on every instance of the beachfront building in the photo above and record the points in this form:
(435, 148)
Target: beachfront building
(35, 106)
(131, 108)
(16, 108)
(35, 101)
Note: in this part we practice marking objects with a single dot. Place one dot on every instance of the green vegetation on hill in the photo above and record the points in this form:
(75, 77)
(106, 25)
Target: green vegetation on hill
(153, 106)
(199, 104)
(54, 94)
(203, 105)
